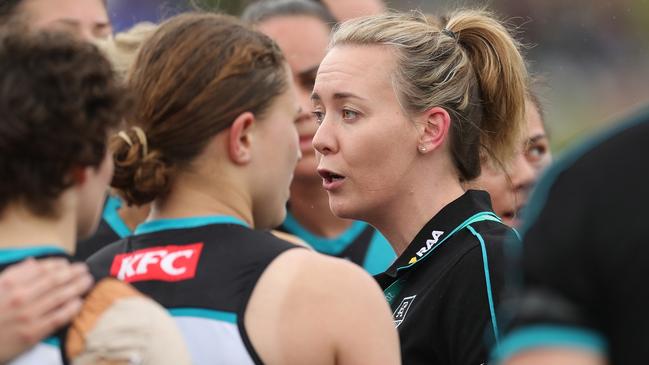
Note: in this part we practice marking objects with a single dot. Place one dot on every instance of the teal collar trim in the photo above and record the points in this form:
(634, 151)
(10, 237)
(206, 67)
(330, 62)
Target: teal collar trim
(9, 255)
(330, 246)
(221, 316)
(112, 218)
(478, 217)
(183, 223)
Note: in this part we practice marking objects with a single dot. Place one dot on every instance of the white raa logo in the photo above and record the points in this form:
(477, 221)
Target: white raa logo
(430, 243)
(401, 311)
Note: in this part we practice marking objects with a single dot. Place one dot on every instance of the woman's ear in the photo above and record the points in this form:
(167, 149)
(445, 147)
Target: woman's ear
(79, 174)
(436, 124)
(240, 138)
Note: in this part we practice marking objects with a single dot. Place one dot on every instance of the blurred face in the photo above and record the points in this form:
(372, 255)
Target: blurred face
(344, 10)
(303, 40)
(87, 19)
(366, 144)
(91, 196)
(275, 155)
(509, 195)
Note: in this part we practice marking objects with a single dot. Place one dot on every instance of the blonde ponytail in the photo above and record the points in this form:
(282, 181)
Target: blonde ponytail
(502, 77)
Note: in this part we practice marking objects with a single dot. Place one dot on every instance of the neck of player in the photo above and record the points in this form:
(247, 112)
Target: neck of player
(20, 227)
(401, 219)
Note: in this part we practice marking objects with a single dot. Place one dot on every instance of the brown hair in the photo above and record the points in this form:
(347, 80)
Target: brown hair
(192, 78)
(58, 99)
(472, 67)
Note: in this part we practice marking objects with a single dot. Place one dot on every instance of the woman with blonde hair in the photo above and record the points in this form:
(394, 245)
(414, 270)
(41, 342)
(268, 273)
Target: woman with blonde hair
(406, 110)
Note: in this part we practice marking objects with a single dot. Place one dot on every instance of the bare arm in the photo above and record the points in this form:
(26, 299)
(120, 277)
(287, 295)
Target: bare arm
(36, 298)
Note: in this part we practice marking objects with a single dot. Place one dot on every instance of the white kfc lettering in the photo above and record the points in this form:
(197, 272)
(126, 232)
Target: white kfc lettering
(168, 263)
(149, 258)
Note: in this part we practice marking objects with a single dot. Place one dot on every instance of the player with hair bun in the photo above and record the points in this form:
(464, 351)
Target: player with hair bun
(213, 146)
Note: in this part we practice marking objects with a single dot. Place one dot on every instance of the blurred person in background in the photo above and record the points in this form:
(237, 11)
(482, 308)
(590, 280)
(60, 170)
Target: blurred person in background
(213, 146)
(402, 106)
(87, 19)
(510, 183)
(59, 100)
(301, 28)
(581, 294)
(344, 9)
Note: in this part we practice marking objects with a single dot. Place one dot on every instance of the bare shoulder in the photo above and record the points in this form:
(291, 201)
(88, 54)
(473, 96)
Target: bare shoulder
(318, 268)
(328, 308)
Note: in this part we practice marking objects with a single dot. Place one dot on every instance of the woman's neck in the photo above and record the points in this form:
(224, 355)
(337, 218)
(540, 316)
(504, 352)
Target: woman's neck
(309, 205)
(401, 220)
(21, 228)
(190, 199)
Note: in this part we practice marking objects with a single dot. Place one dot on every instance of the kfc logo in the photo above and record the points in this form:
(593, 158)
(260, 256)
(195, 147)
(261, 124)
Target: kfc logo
(165, 263)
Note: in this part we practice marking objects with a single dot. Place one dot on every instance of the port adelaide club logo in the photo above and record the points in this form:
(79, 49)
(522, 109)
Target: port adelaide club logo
(401, 311)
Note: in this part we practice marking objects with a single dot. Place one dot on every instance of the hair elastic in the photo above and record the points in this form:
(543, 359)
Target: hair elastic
(141, 136)
(125, 137)
(449, 33)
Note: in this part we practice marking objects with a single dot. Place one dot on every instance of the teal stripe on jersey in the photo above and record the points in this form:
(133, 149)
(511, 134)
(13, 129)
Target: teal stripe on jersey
(549, 336)
(487, 277)
(330, 246)
(52, 341)
(204, 313)
(182, 223)
(9, 255)
(112, 218)
(380, 255)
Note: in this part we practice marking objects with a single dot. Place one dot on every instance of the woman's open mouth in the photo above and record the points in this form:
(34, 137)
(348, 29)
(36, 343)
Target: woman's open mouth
(330, 179)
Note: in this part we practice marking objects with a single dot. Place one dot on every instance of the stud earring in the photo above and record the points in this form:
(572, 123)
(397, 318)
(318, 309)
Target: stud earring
(422, 149)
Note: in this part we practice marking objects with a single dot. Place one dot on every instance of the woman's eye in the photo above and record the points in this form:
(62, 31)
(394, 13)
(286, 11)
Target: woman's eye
(319, 116)
(536, 153)
(349, 114)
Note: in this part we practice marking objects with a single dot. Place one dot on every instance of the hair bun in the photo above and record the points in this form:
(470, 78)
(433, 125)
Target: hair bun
(141, 174)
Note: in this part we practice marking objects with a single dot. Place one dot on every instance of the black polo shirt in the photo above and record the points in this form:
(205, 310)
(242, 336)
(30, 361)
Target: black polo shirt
(585, 257)
(445, 285)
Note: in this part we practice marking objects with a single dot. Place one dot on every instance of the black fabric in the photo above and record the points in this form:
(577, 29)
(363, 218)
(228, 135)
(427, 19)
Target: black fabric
(102, 237)
(586, 245)
(232, 259)
(449, 317)
(356, 252)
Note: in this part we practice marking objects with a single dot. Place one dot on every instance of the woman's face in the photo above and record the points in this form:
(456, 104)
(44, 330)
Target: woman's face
(87, 19)
(365, 143)
(303, 40)
(276, 154)
(510, 190)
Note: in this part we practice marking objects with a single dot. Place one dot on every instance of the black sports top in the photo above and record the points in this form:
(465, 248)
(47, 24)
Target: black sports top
(444, 288)
(203, 270)
(585, 256)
